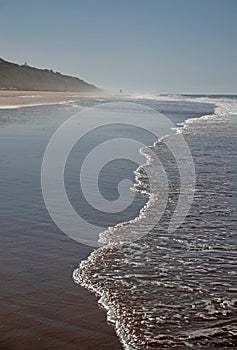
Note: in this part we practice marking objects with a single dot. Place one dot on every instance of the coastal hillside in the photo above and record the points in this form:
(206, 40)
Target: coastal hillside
(24, 77)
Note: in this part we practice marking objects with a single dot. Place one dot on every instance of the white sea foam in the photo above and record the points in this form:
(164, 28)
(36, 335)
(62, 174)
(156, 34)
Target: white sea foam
(223, 109)
(31, 105)
(29, 96)
(226, 105)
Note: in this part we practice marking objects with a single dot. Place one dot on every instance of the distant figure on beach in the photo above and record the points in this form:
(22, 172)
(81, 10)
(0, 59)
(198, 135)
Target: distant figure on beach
(120, 91)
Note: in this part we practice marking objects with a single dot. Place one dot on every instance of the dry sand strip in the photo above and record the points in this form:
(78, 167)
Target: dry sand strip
(15, 99)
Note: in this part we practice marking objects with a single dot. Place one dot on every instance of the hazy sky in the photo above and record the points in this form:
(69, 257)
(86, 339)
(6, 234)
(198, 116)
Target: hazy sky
(153, 46)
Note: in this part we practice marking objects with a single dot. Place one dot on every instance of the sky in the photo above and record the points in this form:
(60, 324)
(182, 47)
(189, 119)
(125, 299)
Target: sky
(140, 46)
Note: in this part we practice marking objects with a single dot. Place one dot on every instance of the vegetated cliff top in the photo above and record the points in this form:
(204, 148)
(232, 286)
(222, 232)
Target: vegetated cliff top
(23, 77)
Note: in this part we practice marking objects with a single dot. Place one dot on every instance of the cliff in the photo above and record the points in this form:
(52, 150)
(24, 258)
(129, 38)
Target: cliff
(24, 77)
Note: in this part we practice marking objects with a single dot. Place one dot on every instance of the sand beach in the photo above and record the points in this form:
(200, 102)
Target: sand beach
(15, 99)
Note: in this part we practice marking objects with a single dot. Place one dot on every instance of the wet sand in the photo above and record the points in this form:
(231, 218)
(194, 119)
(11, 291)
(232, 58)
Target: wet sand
(14, 99)
(41, 308)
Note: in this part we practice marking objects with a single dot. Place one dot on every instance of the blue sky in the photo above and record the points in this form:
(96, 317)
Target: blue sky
(147, 46)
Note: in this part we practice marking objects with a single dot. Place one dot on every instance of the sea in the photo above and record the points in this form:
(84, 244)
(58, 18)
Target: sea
(162, 258)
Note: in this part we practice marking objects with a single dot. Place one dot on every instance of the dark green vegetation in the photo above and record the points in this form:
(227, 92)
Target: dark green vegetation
(24, 77)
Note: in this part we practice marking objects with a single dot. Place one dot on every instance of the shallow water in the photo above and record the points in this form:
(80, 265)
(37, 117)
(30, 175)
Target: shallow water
(43, 309)
(178, 290)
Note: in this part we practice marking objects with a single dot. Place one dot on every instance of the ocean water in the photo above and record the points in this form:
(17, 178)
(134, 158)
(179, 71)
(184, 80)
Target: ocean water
(177, 289)
(165, 290)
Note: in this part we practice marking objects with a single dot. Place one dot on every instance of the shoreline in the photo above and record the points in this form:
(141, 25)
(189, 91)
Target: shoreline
(104, 297)
(10, 99)
(81, 323)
